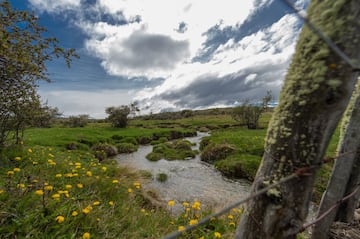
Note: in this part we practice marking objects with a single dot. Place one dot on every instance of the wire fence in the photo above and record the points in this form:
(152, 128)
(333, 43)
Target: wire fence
(301, 172)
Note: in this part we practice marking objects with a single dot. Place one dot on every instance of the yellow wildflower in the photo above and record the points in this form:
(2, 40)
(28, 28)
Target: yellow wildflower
(232, 224)
(87, 209)
(35, 181)
(56, 196)
(58, 175)
(17, 158)
(21, 185)
(129, 190)
(35, 163)
(96, 203)
(193, 222)
(50, 155)
(137, 185)
(30, 150)
(80, 185)
(16, 169)
(103, 168)
(185, 204)
(60, 219)
(142, 210)
(217, 234)
(10, 172)
(1, 191)
(230, 217)
(49, 188)
(74, 213)
(171, 203)
(86, 235)
(89, 173)
(196, 205)
(111, 203)
(115, 181)
(181, 228)
(39, 192)
(68, 186)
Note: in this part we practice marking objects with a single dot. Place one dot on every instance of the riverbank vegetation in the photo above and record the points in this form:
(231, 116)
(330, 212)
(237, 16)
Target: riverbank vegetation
(55, 183)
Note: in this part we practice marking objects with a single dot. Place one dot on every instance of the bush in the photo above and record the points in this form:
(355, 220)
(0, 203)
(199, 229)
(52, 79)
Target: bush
(161, 177)
(214, 152)
(205, 141)
(159, 141)
(239, 166)
(110, 150)
(130, 140)
(126, 148)
(153, 156)
(143, 140)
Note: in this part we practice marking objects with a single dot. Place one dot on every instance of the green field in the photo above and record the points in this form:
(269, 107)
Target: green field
(49, 191)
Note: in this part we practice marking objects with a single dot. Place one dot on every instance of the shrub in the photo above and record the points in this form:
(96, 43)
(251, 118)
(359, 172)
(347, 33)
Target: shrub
(126, 148)
(205, 141)
(130, 140)
(153, 156)
(143, 140)
(159, 141)
(239, 166)
(214, 152)
(161, 177)
(110, 150)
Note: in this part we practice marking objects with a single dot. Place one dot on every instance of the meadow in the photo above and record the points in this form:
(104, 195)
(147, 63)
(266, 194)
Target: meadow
(50, 191)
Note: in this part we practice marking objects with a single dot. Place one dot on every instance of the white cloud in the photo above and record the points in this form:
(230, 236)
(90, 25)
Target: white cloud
(81, 102)
(55, 5)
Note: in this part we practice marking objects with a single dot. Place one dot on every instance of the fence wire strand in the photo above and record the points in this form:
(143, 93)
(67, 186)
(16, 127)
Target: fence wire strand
(299, 172)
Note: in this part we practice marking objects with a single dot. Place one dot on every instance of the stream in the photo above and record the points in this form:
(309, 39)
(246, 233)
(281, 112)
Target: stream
(188, 180)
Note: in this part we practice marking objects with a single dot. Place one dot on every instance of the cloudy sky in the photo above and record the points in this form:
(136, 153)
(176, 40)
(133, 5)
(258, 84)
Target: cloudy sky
(166, 54)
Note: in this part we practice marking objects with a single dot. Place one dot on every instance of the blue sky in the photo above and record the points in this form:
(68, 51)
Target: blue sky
(166, 55)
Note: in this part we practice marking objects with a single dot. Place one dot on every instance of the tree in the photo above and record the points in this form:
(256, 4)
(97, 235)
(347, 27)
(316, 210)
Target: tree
(118, 116)
(45, 116)
(345, 176)
(249, 114)
(315, 93)
(23, 54)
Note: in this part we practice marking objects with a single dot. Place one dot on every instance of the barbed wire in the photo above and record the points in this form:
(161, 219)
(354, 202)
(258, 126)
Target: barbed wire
(302, 15)
(304, 171)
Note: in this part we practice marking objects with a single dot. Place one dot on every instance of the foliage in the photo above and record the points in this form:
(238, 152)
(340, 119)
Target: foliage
(118, 116)
(49, 193)
(45, 116)
(176, 150)
(249, 114)
(77, 121)
(104, 149)
(126, 148)
(214, 152)
(23, 54)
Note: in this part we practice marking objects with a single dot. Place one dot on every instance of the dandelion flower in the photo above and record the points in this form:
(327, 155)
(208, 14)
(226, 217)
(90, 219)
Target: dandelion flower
(56, 196)
(185, 204)
(181, 228)
(142, 210)
(193, 222)
(230, 217)
(111, 203)
(17, 158)
(30, 150)
(35, 163)
(68, 186)
(80, 185)
(74, 213)
(137, 185)
(86, 235)
(16, 169)
(58, 175)
(217, 234)
(9, 173)
(49, 188)
(232, 224)
(196, 205)
(103, 169)
(115, 181)
(87, 209)
(96, 203)
(60, 219)
(171, 203)
(129, 190)
(89, 173)
(39, 192)
(1, 191)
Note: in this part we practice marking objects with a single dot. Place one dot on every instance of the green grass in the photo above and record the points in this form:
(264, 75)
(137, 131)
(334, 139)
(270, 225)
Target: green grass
(49, 193)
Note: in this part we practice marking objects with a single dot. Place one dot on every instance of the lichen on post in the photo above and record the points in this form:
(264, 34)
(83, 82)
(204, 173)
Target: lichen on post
(315, 94)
